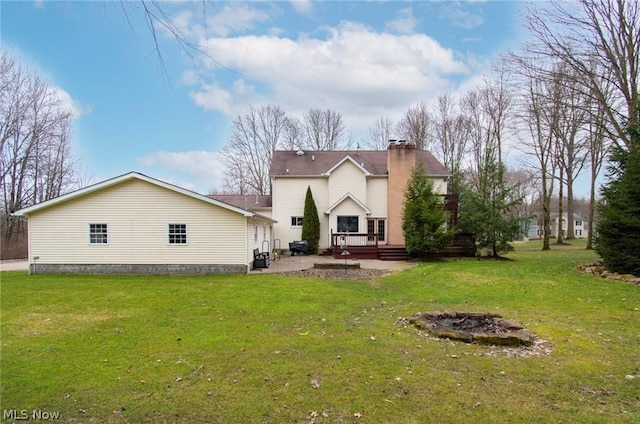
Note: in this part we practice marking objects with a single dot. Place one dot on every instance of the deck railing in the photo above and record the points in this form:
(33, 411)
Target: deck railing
(354, 239)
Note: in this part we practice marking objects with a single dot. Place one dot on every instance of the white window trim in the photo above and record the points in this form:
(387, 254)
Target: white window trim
(89, 234)
(186, 229)
(296, 216)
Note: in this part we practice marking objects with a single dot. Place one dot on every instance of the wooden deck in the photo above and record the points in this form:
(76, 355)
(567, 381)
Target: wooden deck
(366, 246)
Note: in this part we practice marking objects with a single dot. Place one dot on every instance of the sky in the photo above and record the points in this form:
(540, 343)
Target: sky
(168, 115)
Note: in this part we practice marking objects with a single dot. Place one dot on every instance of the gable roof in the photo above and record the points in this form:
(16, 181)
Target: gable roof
(319, 163)
(127, 177)
(343, 198)
(353, 161)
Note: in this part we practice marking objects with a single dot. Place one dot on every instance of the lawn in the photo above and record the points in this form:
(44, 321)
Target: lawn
(274, 349)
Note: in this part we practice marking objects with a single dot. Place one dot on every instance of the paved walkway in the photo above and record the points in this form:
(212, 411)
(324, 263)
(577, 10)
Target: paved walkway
(282, 264)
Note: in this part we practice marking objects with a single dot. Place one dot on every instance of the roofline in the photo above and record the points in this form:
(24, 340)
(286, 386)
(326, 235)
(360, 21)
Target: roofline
(369, 175)
(346, 196)
(343, 160)
(120, 179)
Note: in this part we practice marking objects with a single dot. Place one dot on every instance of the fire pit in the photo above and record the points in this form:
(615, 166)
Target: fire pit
(488, 329)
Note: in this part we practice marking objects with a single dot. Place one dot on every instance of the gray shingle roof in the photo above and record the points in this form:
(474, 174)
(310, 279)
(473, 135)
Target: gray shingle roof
(248, 202)
(316, 163)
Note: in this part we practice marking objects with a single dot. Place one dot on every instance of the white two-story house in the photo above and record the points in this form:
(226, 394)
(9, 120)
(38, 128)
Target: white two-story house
(359, 194)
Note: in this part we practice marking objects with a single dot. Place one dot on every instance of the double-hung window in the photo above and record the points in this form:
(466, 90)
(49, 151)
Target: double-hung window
(177, 233)
(98, 234)
(296, 221)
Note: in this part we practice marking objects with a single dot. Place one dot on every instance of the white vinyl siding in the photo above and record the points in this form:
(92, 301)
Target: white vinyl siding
(376, 198)
(263, 245)
(288, 201)
(138, 214)
(347, 178)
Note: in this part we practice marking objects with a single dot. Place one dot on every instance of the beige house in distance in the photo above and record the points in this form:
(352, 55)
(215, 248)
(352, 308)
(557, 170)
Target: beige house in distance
(135, 224)
(359, 194)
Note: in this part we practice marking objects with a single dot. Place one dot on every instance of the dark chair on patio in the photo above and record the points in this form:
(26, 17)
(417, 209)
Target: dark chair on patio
(260, 260)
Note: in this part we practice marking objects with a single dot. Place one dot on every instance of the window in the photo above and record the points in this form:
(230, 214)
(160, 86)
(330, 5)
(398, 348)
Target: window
(98, 234)
(255, 233)
(578, 223)
(348, 224)
(296, 221)
(264, 232)
(177, 233)
(578, 233)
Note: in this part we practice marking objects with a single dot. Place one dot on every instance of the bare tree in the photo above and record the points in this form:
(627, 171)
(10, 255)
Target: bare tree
(323, 130)
(488, 111)
(380, 133)
(451, 129)
(598, 149)
(525, 183)
(489, 203)
(253, 138)
(570, 120)
(415, 126)
(600, 41)
(159, 20)
(292, 135)
(35, 146)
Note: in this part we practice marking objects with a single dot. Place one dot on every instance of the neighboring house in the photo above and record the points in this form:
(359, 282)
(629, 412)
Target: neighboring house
(359, 194)
(135, 224)
(580, 226)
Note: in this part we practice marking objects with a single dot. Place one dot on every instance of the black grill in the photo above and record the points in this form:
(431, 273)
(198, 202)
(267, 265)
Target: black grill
(299, 247)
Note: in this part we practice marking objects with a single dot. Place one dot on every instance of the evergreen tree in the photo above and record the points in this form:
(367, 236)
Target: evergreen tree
(424, 217)
(487, 209)
(311, 222)
(618, 227)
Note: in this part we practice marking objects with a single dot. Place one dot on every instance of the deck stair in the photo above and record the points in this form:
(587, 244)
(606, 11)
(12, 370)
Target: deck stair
(357, 252)
(393, 253)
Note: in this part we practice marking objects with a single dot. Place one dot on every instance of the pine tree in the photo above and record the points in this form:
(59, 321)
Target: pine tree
(618, 227)
(424, 217)
(486, 209)
(311, 222)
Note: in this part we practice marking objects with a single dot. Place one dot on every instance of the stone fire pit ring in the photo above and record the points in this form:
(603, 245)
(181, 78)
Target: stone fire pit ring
(485, 329)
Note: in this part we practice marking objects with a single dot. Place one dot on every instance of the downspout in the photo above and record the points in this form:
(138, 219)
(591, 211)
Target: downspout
(246, 245)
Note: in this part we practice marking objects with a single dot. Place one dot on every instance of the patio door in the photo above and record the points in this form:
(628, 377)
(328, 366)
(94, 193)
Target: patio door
(377, 226)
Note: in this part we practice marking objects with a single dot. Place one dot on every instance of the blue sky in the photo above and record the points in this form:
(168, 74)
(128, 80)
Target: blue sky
(364, 59)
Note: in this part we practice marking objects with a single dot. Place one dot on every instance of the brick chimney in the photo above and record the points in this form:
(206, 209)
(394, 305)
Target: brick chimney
(401, 159)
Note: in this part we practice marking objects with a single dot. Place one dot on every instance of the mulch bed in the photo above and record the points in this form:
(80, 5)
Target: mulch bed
(338, 274)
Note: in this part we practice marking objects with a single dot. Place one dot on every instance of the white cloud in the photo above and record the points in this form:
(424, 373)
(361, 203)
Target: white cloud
(405, 22)
(233, 17)
(194, 166)
(303, 7)
(76, 107)
(354, 70)
(461, 17)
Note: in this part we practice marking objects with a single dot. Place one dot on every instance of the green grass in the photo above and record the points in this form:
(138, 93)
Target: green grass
(245, 349)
